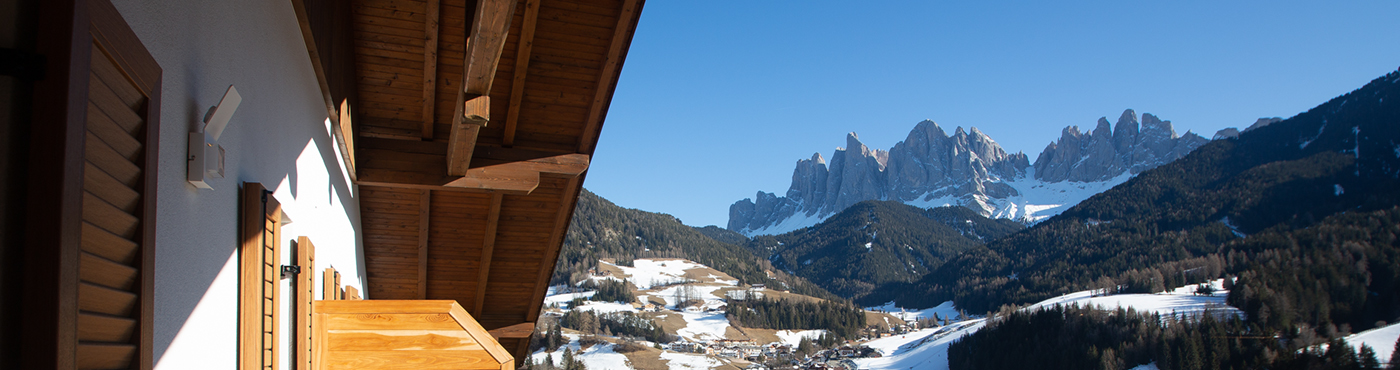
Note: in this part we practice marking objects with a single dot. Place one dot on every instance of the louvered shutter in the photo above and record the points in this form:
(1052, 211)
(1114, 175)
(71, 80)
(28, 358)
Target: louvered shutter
(259, 275)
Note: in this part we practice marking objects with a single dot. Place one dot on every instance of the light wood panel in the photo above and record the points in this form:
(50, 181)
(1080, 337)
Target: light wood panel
(383, 334)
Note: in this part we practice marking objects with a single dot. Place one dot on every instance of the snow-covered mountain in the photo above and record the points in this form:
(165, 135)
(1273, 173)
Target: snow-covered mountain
(931, 168)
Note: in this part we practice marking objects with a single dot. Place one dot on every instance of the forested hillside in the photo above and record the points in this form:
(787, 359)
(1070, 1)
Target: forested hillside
(601, 229)
(876, 242)
(1170, 223)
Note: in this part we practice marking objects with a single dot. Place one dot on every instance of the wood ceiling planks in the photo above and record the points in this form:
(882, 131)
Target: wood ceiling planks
(491, 251)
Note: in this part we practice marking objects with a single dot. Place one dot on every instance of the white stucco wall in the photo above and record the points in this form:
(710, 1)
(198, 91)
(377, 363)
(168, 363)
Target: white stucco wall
(279, 136)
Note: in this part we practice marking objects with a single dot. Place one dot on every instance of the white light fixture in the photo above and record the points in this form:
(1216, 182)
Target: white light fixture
(206, 158)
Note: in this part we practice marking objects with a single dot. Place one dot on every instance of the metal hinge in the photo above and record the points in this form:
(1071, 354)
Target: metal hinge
(21, 64)
(290, 270)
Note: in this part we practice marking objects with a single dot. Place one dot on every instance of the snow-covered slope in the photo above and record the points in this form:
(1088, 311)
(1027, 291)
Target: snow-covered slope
(927, 349)
(1381, 339)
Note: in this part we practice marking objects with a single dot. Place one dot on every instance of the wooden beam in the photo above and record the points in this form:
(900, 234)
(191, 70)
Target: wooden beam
(503, 178)
(424, 200)
(508, 177)
(523, 176)
(521, 330)
(339, 120)
(476, 112)
(486, 38)
(430, 58)
(601, 96)
(346, 138)
(522, 65)
(567, 199)
(488, 245)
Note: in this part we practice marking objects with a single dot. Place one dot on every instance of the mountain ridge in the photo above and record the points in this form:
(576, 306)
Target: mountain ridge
(932, 168)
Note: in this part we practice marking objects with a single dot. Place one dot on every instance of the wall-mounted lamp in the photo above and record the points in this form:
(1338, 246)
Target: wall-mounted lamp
(206, 160)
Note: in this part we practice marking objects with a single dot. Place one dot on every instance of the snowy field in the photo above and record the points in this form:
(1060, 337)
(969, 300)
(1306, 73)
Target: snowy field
(703, 326)
(646, 273)
(599, 356)
(1181, 301)
(944, 310)
(1381, 339)
(650, 277)
(793, 337)
(927, 349)
(686, 361)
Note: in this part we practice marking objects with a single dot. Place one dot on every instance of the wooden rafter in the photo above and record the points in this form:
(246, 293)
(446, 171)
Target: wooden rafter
(523, 176)
(424, 200)
(521, 330)
(430, 58)
(339, 120)
(346, 139)
(488, 246)
(620, 40)
(522, 64)
(567, 200)
(487, 37)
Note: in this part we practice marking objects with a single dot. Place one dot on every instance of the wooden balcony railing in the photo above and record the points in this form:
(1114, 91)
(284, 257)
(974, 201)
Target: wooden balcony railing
(417, 334)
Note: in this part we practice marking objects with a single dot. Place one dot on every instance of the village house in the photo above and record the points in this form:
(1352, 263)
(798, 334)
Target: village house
(207, 184)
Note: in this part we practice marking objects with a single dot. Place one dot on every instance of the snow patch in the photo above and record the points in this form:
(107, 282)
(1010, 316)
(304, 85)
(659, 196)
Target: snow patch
(793, 337)
(795, 222)
(943, 310)
(701, 326)
(1180, 301)
(685, 361)
(645, 273)
(599, 356)
(928, 348)
(1381, 339)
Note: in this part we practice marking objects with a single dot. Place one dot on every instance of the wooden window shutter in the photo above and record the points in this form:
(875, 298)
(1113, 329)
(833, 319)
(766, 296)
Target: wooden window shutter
(331, 290)
(305, 290)
(259, 279)
(91, 234)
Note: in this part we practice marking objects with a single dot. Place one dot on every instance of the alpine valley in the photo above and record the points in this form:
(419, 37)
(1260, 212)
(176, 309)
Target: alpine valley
(1124, 247)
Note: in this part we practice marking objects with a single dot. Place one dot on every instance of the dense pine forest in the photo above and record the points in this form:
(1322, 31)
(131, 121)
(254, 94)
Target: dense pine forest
(1073, 337)
(877, 242)
(842, 320)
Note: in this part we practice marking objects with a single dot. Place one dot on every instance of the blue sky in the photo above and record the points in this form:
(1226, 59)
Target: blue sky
(719, 99)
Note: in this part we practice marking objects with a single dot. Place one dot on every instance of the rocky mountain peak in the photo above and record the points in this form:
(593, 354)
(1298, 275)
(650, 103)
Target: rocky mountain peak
(1107, 152)
(965, 168)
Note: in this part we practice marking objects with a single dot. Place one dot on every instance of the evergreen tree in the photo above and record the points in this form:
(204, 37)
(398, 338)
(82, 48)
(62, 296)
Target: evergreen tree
(804, 346)
(555, 338)
(1395, 355)
(1368, 358)
(1339, 355)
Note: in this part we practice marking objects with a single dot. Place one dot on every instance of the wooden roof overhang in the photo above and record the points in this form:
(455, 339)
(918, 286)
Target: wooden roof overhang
(468, 126)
